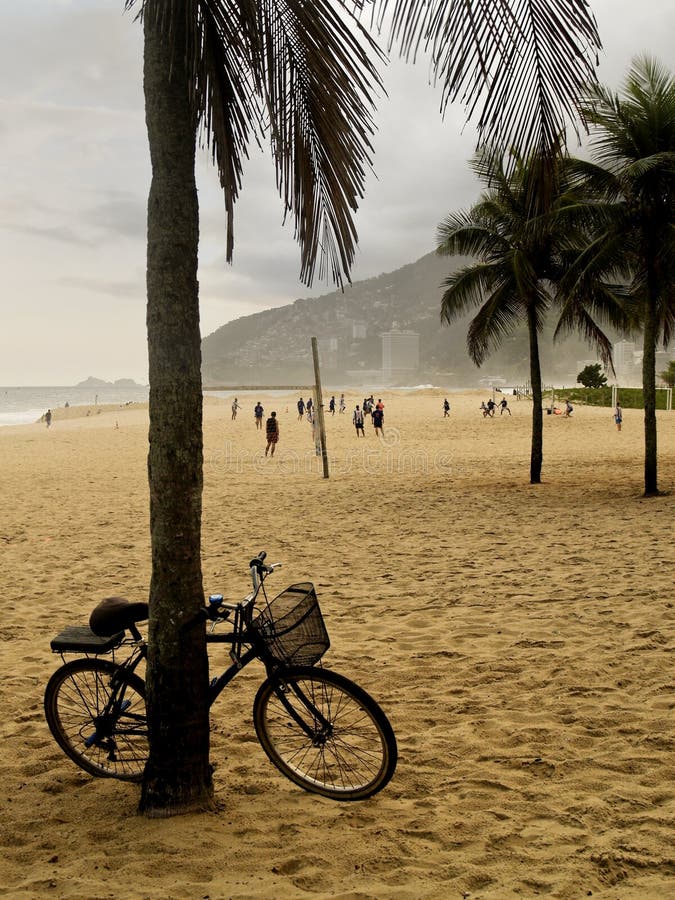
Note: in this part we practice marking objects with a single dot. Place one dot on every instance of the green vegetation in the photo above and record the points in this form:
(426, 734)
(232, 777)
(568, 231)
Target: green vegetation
(592, 376)
(668, 375)
(631, 398)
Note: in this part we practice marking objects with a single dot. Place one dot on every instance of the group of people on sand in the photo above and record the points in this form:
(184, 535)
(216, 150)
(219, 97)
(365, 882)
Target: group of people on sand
(331, 404)
(376, 413)
(488, 409)
(556, 411)
(307, 409)
(271, 425)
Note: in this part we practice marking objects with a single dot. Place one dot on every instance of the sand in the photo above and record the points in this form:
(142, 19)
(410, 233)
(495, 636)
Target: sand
(520, 639)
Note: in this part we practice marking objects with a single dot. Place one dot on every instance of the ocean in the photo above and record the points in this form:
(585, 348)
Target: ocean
(24, 405)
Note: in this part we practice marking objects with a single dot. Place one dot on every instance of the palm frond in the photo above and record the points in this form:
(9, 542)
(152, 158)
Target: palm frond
(527, 60)
(576, 318)
(226, 99)
(595, 180)
(497, 318)
(462, 234)
(302, 74)
(467, 288)
(318, 68)
(636, 123)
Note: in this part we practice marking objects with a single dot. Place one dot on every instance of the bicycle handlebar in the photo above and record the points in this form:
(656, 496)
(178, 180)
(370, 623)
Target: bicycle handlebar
(213, 611)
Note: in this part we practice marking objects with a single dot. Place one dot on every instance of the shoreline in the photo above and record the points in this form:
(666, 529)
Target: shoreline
(286, 395)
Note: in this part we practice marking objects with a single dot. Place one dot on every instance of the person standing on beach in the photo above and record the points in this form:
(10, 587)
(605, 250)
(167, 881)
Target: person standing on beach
(446, 408)
(618, 415)
(258, 414)
(331, 405)
(301, 409)
(343, 405)
(357, 419)
(378, 419)
(310, 408)
(569, 409)
(235, 407)
(48, 417)
(272, 433)
(504, 407)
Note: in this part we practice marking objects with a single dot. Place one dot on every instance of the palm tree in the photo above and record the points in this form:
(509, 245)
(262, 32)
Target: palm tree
(301, 75)
(223, 67)
(633, 217)
(525, 245)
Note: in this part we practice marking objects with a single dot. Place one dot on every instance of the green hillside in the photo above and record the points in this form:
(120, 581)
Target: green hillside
(273, 347)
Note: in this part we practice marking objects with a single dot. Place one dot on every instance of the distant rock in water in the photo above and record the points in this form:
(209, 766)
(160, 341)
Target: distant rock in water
(92, 382)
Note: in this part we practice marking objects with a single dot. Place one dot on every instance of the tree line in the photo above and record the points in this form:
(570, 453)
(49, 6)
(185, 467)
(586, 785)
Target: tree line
(592, 242)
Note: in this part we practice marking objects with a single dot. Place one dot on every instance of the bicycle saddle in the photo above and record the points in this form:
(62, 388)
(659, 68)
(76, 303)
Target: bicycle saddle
(115, 613)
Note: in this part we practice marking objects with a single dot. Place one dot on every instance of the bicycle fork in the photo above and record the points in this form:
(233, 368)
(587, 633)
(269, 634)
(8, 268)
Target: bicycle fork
(320, 729)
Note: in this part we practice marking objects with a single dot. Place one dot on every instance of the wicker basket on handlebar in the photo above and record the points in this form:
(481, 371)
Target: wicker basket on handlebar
(292, 626)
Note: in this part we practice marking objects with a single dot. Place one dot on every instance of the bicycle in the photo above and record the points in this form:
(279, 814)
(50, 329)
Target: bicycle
(322, 731)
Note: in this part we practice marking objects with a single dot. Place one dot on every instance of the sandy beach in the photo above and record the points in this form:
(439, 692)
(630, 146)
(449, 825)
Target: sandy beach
(520, 638)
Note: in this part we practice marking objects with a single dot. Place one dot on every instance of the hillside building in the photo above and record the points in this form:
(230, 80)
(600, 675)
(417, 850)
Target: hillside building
(627, 362)
(359, 330)
(400, 354)
(328, 352)
(663, 360)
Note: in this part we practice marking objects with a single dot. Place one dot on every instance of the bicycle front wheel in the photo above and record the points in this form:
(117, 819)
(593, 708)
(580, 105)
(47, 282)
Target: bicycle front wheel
(96, 712)
(325, 733)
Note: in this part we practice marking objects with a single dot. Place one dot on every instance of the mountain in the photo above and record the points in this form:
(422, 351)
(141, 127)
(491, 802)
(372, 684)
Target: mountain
(273, 347)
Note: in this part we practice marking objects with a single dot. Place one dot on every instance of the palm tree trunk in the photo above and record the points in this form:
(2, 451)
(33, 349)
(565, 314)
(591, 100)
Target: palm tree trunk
(536, 454)
(177, 777)
(649, 393)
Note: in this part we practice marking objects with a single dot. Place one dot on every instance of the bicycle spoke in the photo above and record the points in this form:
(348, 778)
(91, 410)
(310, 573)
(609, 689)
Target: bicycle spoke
(96, 712)
(326, 734)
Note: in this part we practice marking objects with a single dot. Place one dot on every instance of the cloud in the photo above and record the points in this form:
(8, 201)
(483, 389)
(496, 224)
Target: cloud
(134, 290)
(118, 214)
(52, 233)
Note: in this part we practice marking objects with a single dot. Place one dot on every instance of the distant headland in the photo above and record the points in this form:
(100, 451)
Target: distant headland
(92, 382)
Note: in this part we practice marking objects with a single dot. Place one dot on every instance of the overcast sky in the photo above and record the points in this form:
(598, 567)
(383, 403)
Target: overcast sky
(74, 175)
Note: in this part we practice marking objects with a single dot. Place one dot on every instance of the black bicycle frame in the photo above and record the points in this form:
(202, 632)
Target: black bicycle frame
(237, 638)
(259, 651)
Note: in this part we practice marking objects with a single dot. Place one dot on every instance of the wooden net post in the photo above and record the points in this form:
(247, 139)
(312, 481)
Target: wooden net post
(319, 408)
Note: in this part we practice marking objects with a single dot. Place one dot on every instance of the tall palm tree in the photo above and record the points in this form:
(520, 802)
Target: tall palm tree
(524, 245)
(633, 216)
(233, 70)
(302, 75)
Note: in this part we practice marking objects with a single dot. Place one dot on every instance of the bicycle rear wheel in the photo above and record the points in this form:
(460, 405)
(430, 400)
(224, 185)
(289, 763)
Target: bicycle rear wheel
(96, 711)
(325, 733)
